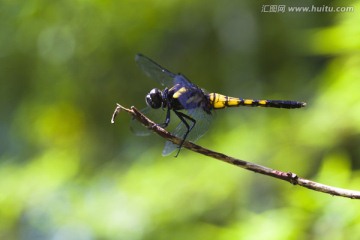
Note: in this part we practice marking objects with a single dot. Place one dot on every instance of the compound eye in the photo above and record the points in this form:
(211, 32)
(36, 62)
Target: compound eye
(154, 98)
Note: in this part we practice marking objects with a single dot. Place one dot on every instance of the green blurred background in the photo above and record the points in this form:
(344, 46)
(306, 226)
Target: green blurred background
(67, 173)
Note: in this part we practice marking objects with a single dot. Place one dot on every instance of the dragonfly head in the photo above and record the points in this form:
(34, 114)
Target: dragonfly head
(154, 98)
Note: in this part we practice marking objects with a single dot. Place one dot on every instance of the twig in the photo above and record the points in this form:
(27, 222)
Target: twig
(286, 176)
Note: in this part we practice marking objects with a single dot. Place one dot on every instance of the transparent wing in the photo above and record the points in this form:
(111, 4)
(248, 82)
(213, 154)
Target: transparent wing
(203, 122)
(182, 80)
(156, 115)
(155, 71)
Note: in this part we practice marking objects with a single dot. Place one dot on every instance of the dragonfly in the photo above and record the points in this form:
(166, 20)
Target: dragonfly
(192, 105)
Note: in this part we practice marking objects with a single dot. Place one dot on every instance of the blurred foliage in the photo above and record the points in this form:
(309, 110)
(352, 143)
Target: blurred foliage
(67, 173)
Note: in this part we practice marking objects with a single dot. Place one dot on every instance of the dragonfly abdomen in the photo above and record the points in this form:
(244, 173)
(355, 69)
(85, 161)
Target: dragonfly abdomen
(219, 101)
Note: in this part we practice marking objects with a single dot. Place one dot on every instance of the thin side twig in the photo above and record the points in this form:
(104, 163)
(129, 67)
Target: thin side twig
(286, 176)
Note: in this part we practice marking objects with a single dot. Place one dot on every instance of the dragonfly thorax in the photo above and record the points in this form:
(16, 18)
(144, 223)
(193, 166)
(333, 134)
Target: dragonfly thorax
(154, 98)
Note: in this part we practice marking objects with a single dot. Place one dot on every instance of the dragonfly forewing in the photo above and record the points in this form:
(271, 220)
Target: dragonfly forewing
(155, 71)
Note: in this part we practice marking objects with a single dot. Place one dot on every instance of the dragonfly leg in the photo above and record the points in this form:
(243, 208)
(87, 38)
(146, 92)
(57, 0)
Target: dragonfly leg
(182, 117)
(167, 119)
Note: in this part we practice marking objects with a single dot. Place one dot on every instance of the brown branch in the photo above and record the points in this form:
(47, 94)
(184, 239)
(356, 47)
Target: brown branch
(286, 176)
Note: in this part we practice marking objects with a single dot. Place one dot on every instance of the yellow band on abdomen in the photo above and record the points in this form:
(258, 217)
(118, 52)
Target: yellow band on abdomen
(221, 101)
